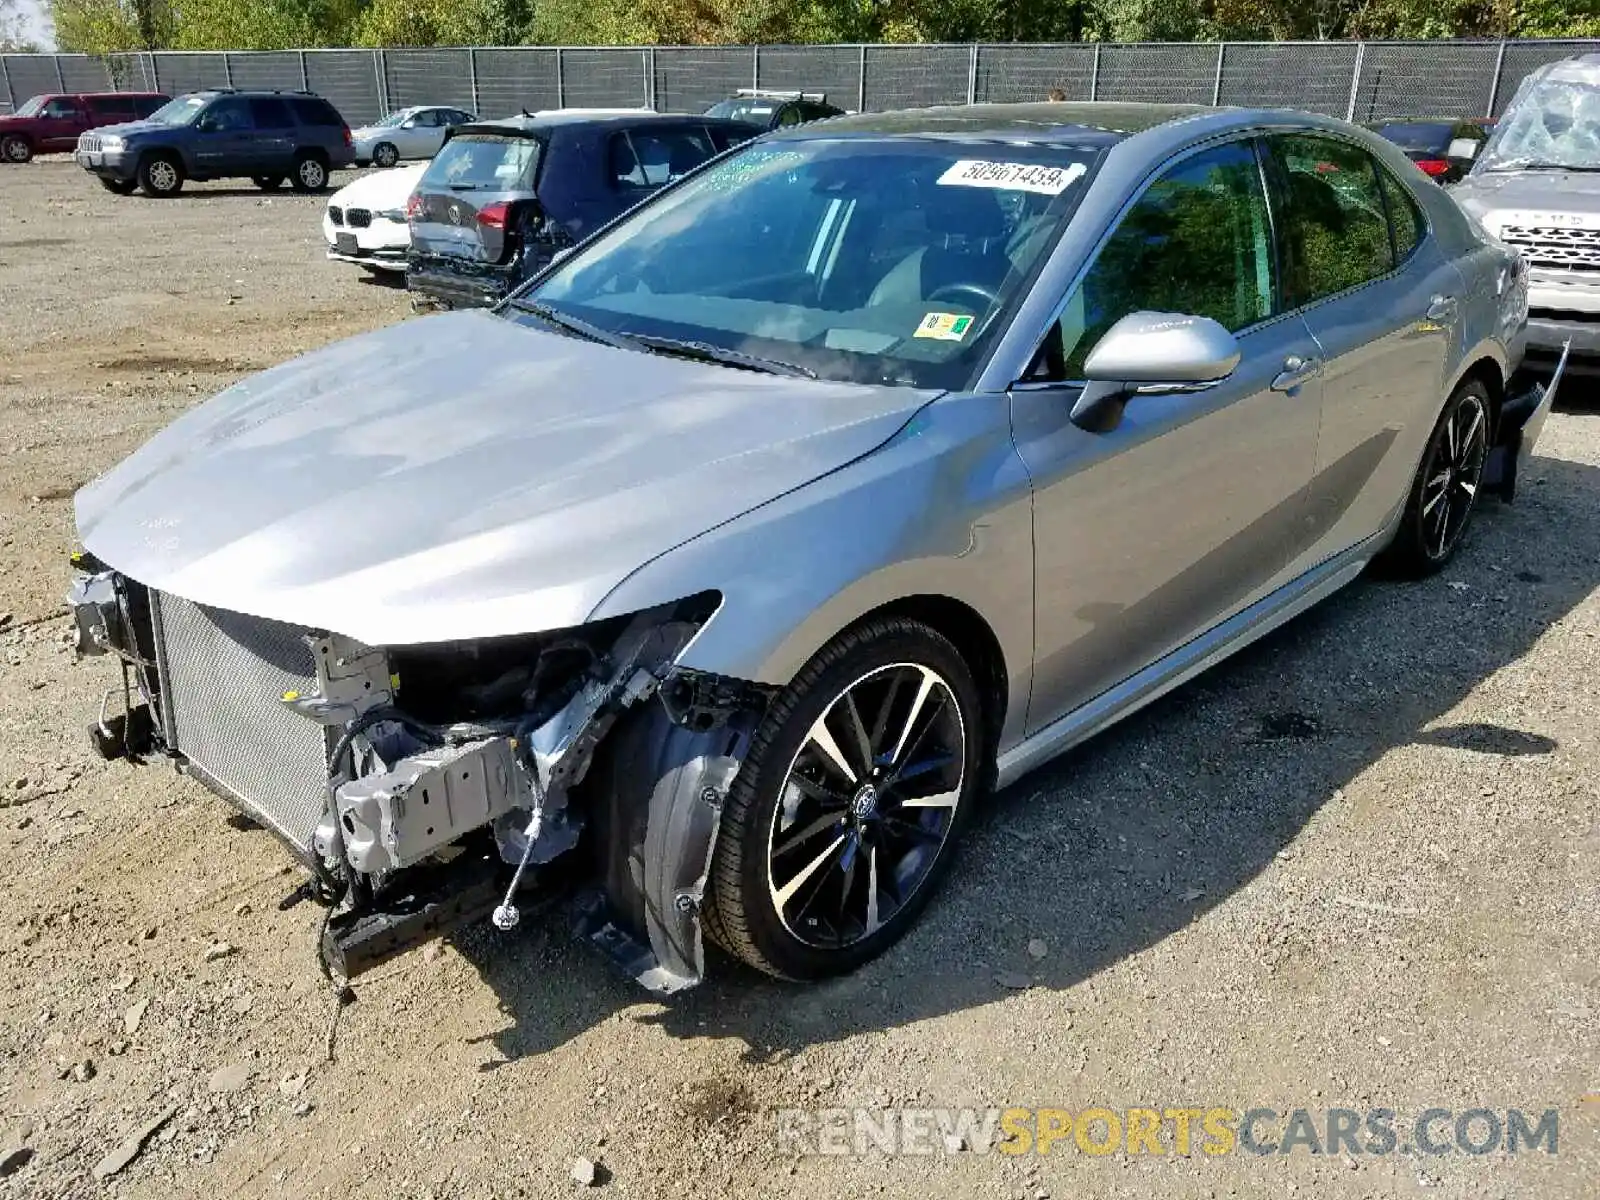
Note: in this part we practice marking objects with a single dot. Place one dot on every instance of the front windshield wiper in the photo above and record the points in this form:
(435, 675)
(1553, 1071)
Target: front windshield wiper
(572, 324)
(1547, 166)
(705, 352)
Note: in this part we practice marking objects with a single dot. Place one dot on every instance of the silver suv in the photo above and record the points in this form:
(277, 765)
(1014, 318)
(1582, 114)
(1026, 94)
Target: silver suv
(1537, 187)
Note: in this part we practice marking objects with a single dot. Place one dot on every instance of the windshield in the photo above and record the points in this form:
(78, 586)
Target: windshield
(878, 261)
(30, 107)
(484, 162)
(758, 112)
(392, 120)
(1553, 123)
(180, 111)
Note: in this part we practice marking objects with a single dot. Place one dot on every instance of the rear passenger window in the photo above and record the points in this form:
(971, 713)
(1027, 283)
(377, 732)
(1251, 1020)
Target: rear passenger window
(312, 110)
(269, 113)
(648, 158)
(1335, 226)
(1405, 218)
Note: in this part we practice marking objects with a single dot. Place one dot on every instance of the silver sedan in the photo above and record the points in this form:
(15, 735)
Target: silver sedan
(733, 560)
(407, 133)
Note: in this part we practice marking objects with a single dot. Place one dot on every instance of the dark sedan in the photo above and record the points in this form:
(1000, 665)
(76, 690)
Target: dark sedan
(1442, 146)
(502, 198)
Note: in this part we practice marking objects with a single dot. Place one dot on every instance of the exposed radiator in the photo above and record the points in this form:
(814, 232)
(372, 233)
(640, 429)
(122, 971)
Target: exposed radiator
(223, 675)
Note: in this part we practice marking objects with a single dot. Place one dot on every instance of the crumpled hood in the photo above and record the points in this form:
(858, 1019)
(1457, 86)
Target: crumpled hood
(380, 190)
(462, 476)
(1532, 198)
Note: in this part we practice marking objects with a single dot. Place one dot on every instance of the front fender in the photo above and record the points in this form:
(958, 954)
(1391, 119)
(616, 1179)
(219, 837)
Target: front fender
(943, 509)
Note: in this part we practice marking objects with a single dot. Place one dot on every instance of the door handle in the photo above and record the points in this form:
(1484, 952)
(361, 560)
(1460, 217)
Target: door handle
(1441, 308)
(1296, 370)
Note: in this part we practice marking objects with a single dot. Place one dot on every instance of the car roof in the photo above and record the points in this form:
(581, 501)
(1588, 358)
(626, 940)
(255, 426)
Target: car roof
(1381, 122)
(1054, 121)
(522, 126)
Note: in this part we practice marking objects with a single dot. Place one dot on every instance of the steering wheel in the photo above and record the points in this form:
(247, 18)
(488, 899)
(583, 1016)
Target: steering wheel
(987, 298)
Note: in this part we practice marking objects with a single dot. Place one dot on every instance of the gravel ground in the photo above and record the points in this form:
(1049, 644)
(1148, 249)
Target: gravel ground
(1353, 867)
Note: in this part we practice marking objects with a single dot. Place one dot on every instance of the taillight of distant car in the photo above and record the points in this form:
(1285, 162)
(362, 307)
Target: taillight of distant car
(1434, 166)
(494, 215)
(348, 140)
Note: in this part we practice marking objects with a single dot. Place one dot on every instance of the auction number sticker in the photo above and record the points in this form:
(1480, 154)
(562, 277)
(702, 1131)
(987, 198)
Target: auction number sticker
(944, 327)
(1012, 177)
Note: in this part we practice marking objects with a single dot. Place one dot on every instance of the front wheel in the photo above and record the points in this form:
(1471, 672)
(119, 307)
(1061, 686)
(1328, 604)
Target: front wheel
(160, 176)
(385, 155)
(848, 807)
(267, 183)
(310, 174)
(15, 149)
(1445, 490)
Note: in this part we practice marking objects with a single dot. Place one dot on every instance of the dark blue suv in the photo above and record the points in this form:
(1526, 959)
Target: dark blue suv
(221, 134)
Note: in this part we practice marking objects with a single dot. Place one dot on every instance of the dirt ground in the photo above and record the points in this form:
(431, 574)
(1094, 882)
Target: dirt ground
(1355, 867)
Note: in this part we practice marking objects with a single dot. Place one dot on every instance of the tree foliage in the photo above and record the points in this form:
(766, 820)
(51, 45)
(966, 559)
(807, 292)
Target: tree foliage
(100, 26)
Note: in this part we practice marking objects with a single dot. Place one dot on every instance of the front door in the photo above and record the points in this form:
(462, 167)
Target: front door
(60, 122)
(1191, 507)
(223, 136)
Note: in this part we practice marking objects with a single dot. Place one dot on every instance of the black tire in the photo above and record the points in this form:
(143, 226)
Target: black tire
(1445, 491)
(160, 176)
(119, 187)
(310, 173)
(267, 183)
(385, 155)
(15, 149)
(747, 913)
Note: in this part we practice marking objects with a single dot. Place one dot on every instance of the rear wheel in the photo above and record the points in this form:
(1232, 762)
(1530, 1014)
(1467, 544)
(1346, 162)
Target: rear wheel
(310, 174)
(1445, 490)
(15, 149)
(119, 187)
(160, 176)
(267, 183)
(847, 809)
(384, 154)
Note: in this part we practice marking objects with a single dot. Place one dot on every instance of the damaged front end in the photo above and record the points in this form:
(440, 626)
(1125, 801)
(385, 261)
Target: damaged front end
(424, 786)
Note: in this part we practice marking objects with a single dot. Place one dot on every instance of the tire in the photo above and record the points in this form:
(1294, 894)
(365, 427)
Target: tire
(267, 183)
(1445, 491)
(310, 173)
(385, 155)
(15, 149)
(119, 187)
(844, 827)
(160, 176)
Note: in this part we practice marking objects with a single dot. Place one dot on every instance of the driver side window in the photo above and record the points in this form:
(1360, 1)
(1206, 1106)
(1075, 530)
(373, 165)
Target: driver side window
(1198, 242)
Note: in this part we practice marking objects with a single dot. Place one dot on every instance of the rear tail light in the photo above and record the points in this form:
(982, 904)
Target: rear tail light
(493, 216)
(348, 140)
(1434, 166)
(413, 207)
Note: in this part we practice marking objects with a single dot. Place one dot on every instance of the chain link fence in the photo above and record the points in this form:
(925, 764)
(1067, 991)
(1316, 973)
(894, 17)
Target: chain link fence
(1363, 81)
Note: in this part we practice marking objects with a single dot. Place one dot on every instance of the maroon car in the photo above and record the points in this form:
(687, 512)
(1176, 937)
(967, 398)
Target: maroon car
(51, 123)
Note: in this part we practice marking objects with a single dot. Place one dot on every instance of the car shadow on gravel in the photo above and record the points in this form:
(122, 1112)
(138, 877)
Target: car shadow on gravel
(1103, 853)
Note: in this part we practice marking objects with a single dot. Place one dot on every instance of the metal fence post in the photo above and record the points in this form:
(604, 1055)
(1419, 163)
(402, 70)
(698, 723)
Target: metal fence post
(305, 78)
(1494, 84)
(61, 80)
(227, 67)
(152, 72)
(561, 78)
(1094, 74)
(972, 76)
(861, 78)
(5, 78)
(755, 65)
(1216, 87)
(472, 75)
(379, 78)
(1355, 81)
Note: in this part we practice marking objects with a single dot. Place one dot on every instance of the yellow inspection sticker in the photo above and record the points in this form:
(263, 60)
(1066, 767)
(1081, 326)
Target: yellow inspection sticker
(1012, 177)
(944, 327)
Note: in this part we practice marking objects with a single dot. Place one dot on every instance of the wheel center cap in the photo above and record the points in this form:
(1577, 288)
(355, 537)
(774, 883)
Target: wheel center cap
(864, 805)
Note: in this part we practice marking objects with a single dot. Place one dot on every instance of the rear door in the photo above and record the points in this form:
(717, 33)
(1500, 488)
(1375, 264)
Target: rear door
(644, 159)
(223, 137)
(469, 193)
(1382, 302)
(271, 150)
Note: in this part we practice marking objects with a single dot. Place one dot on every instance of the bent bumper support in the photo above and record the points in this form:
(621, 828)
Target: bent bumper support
(1522, 419)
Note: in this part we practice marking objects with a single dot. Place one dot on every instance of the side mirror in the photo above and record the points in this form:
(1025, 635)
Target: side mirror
(1463, 148)
(1152, 353)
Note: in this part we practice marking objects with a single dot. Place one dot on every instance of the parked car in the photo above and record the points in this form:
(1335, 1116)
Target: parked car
(1536, 186)
(774, 109)
(222, 134)
(365, 221)
(415, 132)
(732, 560)
(502, 197)
(51, 123)
(1443, 147)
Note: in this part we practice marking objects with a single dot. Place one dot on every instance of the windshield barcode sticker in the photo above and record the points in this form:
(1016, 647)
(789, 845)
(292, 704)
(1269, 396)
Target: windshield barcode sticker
(1012, 177)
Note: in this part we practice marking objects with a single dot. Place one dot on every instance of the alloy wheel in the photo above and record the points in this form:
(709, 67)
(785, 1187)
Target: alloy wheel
(312, 174)
(1454, 471)
(866, 806)
(16, 150)
(163, 175)
(385, 156)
